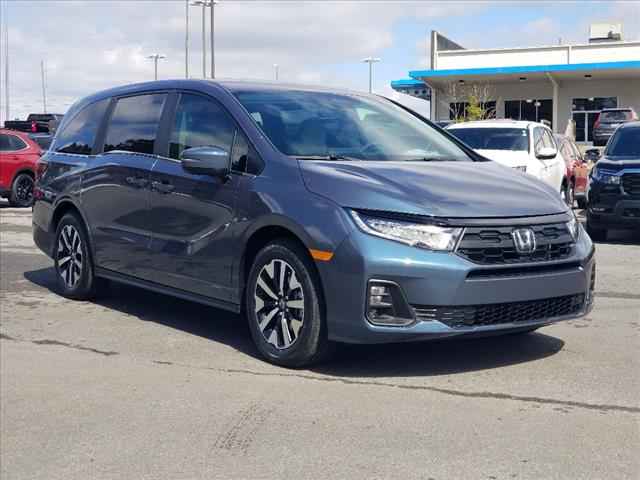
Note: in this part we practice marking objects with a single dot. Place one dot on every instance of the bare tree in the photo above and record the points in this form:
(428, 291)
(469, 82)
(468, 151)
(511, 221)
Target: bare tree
(470, 101)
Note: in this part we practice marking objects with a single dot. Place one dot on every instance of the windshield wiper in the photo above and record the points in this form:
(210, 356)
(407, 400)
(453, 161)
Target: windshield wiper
(430, 159)
(325, 157)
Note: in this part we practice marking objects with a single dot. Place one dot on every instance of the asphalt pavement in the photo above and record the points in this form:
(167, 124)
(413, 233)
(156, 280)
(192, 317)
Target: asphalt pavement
(140, 386)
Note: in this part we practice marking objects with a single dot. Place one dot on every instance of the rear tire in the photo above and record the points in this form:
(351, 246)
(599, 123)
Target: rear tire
(72, 259)
(21, 194)
(285, 306)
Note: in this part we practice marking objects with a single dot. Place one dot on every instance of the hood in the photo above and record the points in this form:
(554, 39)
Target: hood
(618, 163)
(509, 158)
(441, 189)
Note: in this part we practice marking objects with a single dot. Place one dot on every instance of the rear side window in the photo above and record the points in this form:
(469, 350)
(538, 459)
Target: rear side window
(134, 124)
(200, 122)
(5, 145)
(11, 143)
(79, 135)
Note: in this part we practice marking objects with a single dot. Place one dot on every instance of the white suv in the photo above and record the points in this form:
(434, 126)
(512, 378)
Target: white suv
(525, 146)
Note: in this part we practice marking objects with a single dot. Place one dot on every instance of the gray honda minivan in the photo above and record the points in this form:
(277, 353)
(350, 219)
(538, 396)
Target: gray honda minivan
(322, 216)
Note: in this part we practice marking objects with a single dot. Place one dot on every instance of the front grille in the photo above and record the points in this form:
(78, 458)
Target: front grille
(631, 183)
(499, 313)
(494, 245)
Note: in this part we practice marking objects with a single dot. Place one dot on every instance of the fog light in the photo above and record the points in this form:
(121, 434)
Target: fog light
(386, 305)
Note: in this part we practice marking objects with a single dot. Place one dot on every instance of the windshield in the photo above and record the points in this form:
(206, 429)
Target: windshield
(493, 138)
(323, 125)
(625, 143)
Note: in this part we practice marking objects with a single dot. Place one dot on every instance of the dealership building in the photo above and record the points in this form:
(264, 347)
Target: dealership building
(556, 83)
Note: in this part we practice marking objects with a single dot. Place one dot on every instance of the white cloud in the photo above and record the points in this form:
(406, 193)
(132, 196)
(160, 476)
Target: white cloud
(91, 45)
(94, 45)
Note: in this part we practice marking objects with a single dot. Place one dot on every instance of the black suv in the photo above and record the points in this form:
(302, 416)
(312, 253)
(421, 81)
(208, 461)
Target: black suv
(614, 190)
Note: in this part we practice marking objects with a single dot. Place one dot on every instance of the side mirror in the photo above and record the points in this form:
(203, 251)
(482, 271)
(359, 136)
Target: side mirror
(212, 161)
(546, 153)
(592, 154)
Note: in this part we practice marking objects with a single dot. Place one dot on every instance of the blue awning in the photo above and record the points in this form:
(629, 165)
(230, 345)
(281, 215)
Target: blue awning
(570, 67)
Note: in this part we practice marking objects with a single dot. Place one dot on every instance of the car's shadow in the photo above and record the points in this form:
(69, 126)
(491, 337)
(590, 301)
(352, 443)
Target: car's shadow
(190, 317)
(406, 359)
(621, 237)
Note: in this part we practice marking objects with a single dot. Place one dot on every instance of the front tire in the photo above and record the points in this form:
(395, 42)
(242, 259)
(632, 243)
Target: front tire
(72, 259)
(596, 234)
(22, 191)
(284, 306)
(566, 192)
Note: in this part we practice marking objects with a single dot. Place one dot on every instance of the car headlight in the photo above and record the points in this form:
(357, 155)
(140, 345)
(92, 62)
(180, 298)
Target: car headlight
(429, 237)
(603, 176)
(573, 226)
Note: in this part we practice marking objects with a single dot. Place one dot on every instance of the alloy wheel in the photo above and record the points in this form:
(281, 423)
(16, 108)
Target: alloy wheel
(24, 190)
(69, 256)
(279, 304)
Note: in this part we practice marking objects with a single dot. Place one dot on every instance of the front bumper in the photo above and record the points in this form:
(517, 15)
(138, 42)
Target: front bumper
(610, 207)
(444, 280)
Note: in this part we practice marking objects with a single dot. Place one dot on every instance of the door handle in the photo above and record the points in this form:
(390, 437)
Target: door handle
(162, 187)
(137, 181)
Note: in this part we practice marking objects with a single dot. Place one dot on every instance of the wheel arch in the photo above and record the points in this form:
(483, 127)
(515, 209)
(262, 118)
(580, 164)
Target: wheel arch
(64, 206)
(260, 235)
(20, 171)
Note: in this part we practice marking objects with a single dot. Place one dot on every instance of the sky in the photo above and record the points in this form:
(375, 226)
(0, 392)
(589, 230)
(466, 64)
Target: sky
(96, 44)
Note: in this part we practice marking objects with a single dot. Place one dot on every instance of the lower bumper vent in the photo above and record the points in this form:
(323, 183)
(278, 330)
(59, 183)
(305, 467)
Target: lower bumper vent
(460, 316)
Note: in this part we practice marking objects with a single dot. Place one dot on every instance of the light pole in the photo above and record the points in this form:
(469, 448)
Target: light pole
(207, 4)
(4, 54)
(276, 69)
(370, 61)
(186, 38)
(204, 4)
(44, 86)
(155, 57)
(212, 5)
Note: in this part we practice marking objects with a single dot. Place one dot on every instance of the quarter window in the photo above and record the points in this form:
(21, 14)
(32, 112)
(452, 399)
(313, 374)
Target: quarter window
(134, 124)
(200, 122)
(79, 135)
(16, 143)
(537, 139)
(244, 158)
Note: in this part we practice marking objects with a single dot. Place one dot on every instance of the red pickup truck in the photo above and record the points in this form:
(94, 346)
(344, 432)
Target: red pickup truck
(19, 155)
(36, 122)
